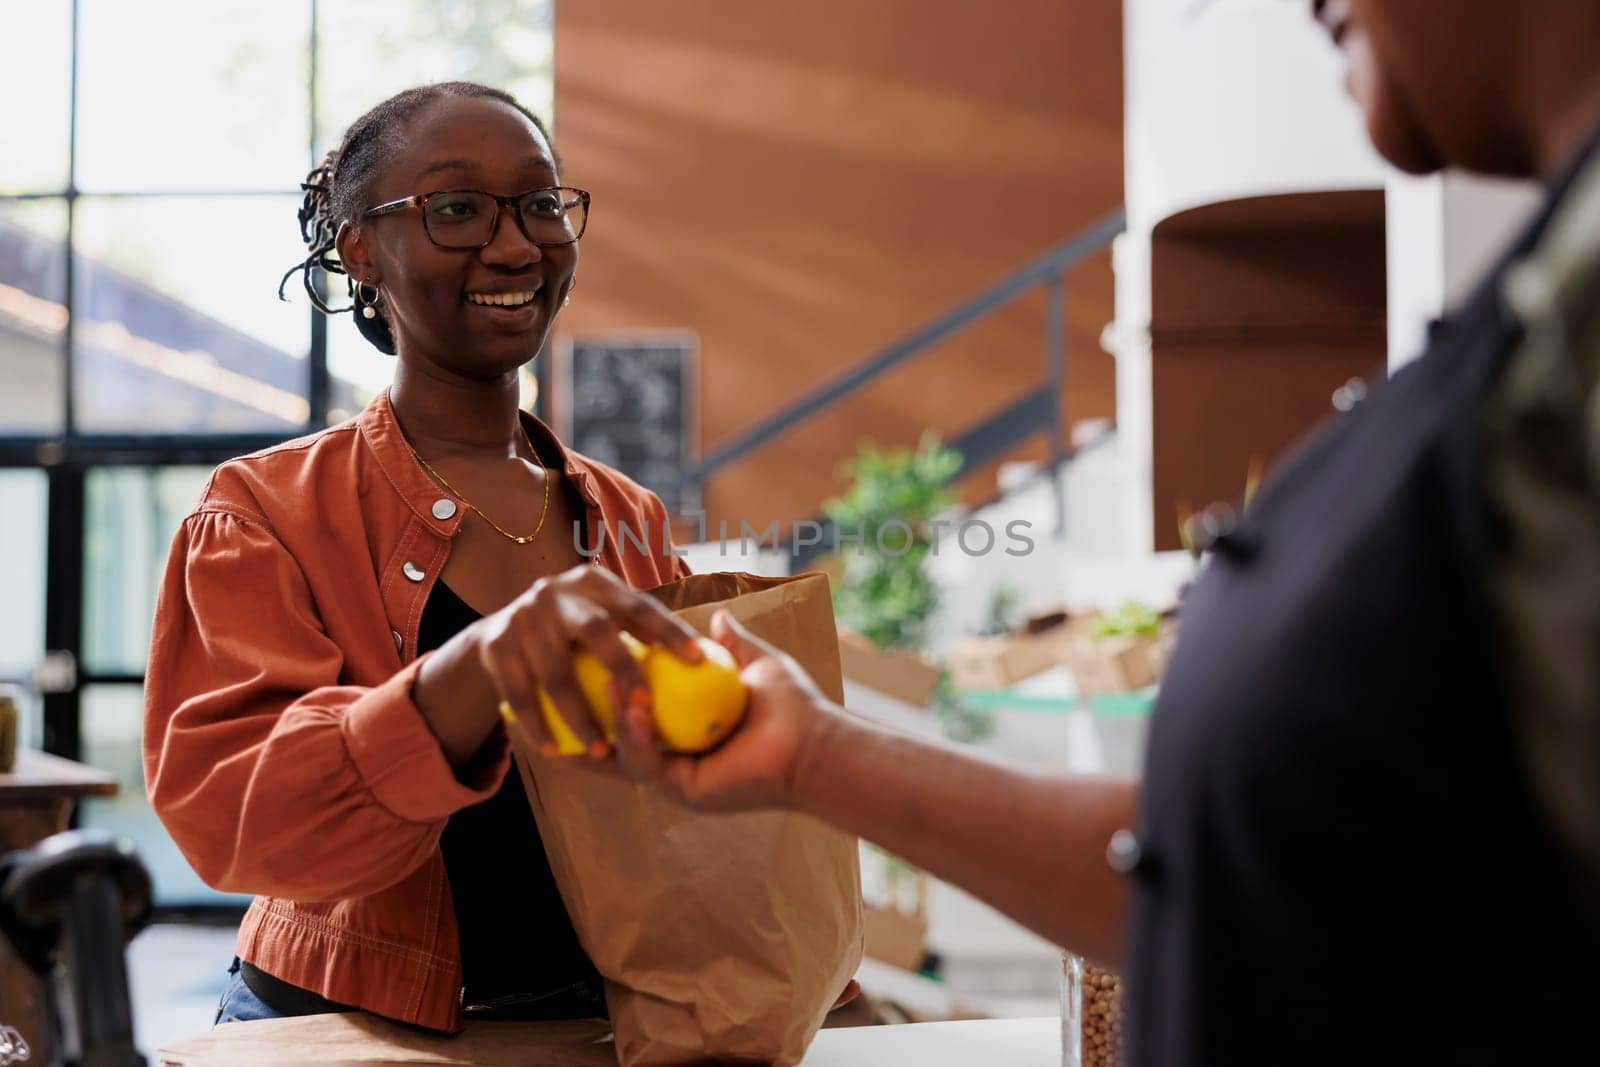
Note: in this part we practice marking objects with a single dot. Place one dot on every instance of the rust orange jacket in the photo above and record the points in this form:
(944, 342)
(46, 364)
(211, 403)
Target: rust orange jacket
(281, 746)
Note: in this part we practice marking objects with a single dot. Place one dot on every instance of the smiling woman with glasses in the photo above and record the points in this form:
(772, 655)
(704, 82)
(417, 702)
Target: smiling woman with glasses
(350, 622)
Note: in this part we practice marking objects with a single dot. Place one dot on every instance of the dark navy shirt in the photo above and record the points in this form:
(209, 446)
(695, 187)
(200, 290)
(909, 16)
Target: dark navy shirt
(1343, 859)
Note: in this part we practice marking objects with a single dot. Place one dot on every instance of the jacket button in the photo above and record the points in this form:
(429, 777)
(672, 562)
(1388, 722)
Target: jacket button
(1210, 526)
(1124, 853)
(443, 508)
(1348, 395)
(412, 571)
(1216, 529)
(399, 642)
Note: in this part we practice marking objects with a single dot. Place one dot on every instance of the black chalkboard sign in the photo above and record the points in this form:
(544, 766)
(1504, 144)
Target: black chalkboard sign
(627, 401)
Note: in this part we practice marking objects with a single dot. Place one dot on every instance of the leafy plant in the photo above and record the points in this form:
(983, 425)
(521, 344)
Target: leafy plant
(1132, 619)
(885, 592)
(1002, 611)
(959, 720)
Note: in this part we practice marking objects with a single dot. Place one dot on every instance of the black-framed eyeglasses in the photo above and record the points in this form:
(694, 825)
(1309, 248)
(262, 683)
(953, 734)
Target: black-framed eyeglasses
(468, 218)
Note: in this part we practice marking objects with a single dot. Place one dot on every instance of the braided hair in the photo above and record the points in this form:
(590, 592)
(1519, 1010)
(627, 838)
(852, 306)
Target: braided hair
(337, 190)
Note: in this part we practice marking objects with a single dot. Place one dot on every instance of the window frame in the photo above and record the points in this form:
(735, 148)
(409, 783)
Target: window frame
(68, 455)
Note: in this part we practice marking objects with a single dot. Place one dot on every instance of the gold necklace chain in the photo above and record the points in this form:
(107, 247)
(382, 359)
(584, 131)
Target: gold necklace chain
(520, 539)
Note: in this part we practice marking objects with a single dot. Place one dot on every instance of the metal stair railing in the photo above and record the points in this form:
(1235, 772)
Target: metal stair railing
(991, 437)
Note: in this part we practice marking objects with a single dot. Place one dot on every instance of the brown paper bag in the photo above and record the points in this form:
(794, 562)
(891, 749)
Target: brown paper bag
(721, 937)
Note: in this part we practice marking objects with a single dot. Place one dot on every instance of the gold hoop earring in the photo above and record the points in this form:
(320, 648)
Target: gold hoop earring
(368, 310)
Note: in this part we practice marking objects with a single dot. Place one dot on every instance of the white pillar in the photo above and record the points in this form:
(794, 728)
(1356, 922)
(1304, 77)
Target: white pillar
(1444, 232)
(1242, 98)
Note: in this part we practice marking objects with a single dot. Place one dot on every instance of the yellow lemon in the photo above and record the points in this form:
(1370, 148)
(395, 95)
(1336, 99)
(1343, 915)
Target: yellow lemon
(594, 681)
(695, 705)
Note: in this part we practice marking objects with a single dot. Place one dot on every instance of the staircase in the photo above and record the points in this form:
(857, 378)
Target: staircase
(1037, 412)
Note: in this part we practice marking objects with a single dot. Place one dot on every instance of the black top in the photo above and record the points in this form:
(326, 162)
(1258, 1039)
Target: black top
(520, 957)
(1342, 859)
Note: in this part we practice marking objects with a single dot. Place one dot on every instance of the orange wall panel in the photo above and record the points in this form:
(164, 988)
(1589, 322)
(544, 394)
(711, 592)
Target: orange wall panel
(1262, 309)
(803, 184)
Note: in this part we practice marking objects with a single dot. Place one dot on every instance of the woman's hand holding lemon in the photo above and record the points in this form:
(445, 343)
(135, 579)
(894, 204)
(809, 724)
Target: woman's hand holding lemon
(582, 663)
(693, 705)
(527, 650)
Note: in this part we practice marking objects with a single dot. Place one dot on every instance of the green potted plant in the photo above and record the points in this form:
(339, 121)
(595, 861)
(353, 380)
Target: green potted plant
(885, 592)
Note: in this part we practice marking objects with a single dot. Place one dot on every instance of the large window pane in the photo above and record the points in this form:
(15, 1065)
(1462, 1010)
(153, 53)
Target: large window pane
(35, 83)
(33, 314)
(30, 712)
(213, 95)
(24, 496)
(113, 716)
(370, 49)
(352, 361)
(130, 516)
(179, 327)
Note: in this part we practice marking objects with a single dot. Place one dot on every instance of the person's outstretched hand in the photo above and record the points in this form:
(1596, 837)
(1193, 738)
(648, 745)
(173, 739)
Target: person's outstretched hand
(755, 767)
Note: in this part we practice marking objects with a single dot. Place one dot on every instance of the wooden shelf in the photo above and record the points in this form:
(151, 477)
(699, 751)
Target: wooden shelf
(41, 776)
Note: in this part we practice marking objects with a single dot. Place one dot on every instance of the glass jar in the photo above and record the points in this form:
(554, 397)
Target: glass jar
(1071, 1010)
(9, 728)
(1091, 1015)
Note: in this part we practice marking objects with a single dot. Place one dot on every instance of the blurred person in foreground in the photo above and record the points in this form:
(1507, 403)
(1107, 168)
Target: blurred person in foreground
(1369, 824)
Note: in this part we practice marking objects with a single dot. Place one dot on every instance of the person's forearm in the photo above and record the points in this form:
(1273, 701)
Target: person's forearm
(457, 699)
(1030, 845)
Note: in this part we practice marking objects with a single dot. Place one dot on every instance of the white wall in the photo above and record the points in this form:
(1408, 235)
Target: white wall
(1445, 232)
(1243, 98)
(1236, 99)
(1240, 98)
